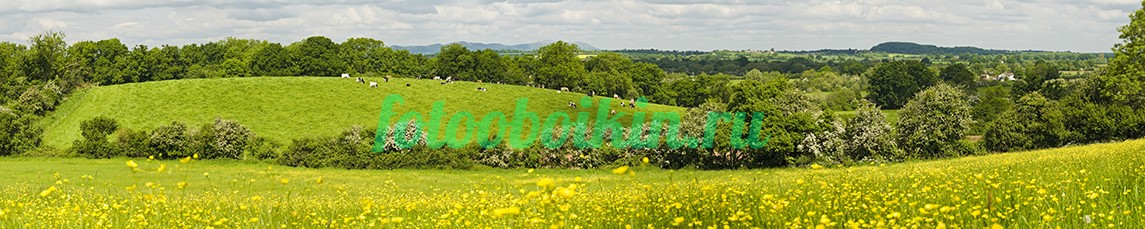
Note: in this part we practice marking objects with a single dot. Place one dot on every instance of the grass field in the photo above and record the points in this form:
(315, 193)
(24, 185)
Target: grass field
(292, 107)
(1083, 186)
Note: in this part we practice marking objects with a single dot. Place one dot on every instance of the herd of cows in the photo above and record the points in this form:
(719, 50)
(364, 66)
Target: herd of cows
(448, 80)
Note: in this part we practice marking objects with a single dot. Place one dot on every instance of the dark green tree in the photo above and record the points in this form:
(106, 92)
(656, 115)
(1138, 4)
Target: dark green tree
(558, 65)
(958, 75)
(893, 83)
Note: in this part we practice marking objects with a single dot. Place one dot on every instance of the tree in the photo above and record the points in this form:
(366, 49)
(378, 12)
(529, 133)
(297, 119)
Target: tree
(317, 56)
(992, 102)
(1036, 77)
(870, 137)
(932, 124)
(1124, 78)
(559, 66)
(17, 133)
(1035, 122)
(893, 83)
(359, 52)
(47, 55)
(958, 75)
(272, 60)
(453, 61)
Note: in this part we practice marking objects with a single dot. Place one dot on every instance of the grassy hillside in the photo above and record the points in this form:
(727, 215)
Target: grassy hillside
(1074, 187)
(288, 108)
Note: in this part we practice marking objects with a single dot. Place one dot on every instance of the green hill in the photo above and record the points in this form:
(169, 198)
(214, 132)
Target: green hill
(284, 108)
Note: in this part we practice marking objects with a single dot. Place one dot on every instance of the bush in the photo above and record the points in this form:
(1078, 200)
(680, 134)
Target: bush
(935, 120)
(133, 143)
(97, 129)
(222, 139)
(94, 143)
(17, 133)
(1035, 122)
(169, 141)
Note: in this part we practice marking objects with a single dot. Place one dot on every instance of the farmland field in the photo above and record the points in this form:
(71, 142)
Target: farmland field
(285, 108)
(1094, 185)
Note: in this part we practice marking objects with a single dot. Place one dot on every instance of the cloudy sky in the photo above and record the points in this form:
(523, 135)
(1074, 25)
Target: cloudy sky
(1075, 25)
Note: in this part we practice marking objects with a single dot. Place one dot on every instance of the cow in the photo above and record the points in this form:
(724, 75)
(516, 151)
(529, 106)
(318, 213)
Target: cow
(572, 104)
(360, 80)
(481, 89)
(622, 104)
(564, 89)
(612, 112)
(450, 79)
(387, 78)
(436, 78)
(373, 84)
(345, 76)
(614, 96)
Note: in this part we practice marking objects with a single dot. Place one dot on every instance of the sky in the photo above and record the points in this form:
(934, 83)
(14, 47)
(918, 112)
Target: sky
(1056, 25)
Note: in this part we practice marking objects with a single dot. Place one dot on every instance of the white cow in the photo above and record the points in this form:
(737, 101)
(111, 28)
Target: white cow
(345, 76)
(373, 84)
(564, 89)
(436, 78)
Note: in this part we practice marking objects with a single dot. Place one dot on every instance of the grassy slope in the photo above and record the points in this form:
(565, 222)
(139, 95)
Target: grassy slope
(287, 108)
(1016, 190)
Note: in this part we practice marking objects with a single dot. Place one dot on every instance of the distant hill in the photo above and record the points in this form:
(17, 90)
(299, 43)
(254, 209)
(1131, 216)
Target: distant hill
(434, 48)
(914, 48)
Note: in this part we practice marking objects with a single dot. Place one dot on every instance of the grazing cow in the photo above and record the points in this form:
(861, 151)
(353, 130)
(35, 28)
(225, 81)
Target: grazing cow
(373, 84)
(564, 89)
(633, 105)
(345, 76)
(481, 89)
(612, 112)
(614, 96)
(572, 104)
(622, 104)
(436, 78)
(360, 80)
(450, 79)
(387, 78)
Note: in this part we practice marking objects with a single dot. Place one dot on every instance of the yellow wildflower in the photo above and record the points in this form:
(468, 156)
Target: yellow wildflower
(546, 183)
(48, 191)
(621, 170)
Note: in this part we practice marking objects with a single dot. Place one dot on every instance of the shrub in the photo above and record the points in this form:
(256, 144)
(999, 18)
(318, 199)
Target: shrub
(17, 133)
(1035, 122)
(169, 141)
(222, 139)
(934, 121)
(230, 138)
(94, 144)
(97, 129)
(133, 143)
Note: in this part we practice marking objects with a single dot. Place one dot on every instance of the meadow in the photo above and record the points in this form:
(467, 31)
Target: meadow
(1080, 186)
(286, 108)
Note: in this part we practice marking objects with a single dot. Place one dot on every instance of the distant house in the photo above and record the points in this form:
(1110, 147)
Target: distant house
(1008, 76)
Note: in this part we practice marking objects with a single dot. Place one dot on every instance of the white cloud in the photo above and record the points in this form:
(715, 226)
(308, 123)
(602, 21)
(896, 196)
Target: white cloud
(673, 24)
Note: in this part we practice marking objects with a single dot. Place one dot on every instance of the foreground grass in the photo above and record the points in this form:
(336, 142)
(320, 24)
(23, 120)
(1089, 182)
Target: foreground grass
(1095, 185)
(285, 108)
